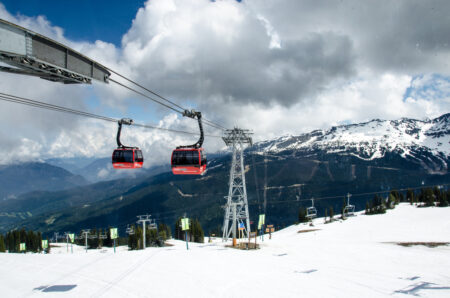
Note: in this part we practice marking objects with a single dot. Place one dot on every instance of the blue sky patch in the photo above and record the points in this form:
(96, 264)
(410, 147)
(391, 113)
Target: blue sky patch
(428, 87)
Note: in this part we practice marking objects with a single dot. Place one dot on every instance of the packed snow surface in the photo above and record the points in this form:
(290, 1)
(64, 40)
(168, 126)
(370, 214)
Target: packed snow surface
(357, 257)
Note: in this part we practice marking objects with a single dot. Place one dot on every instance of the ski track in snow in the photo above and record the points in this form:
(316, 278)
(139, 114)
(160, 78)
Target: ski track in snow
(357, 257)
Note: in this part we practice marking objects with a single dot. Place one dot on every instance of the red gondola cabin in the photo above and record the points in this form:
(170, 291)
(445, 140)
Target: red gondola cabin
(126, 158)
(188, 161)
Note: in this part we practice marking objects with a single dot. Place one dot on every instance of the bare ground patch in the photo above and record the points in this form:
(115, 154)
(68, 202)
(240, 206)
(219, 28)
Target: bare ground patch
(309, 230)
(427, 244)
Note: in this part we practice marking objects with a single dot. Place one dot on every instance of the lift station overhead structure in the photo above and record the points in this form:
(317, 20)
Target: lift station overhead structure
(236, 209)
(29, 53)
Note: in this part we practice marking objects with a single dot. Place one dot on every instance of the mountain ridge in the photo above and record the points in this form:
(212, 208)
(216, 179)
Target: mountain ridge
(284, 175)
(33, 176)
(416, 139)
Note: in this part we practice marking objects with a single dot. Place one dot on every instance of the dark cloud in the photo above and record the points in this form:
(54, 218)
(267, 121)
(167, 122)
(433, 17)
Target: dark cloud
(405, 36)
(278, 66)
(237, 63)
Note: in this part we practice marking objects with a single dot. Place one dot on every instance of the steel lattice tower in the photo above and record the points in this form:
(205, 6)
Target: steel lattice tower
(236, 209)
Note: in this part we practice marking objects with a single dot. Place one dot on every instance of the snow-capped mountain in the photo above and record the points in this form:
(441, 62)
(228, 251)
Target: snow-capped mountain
(426, 142)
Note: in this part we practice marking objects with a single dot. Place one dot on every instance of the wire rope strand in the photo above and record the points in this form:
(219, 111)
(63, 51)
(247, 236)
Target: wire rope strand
(146, 96)
(161, 103)
(158, 95)
(43, 105)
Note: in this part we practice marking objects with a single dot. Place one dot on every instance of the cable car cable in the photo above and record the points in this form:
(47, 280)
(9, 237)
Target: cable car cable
(156, 94)
(146, 96)
(43, 105)
(148, 90)
(182, 112)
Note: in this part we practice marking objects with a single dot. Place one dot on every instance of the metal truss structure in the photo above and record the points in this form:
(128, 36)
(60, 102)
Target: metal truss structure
(29, 53)
(236, 209)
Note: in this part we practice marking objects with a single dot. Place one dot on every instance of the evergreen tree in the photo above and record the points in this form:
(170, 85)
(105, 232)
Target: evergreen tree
(391, 201)
(367, 208)
(428, 197)
(395, 198)
(108, 242)
(376, 206)
(437, 194)
(2, 243)
(326, 214)
(39, 239)
(199, 235)
(79, 239)
(421, 196)
(133, 239)
(139, 238)
(179, 233)
(402, 197)
(331, 213)
(151, 237)
(302, 215)
(164, 232)
(410, 196)
(93, 239)
(443, 202)
(99, 240)
(9, 242)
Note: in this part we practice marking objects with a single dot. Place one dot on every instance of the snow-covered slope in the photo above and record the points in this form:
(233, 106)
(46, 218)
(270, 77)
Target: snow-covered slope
(357, 257)
(370, 140)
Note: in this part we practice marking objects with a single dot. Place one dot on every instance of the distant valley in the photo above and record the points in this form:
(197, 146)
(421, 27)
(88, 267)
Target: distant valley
(360, 158)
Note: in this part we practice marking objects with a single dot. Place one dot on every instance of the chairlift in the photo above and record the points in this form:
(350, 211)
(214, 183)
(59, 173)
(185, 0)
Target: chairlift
(190, 159)
(349, 210)
(103, 236)
(125, 157)
(311, 212)
(130, 230)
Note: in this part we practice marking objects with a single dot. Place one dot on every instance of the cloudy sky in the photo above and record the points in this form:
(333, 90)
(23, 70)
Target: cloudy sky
(275, 66)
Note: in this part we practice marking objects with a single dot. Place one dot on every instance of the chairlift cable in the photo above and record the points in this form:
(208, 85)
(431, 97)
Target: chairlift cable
(355, 194)
(176, 212)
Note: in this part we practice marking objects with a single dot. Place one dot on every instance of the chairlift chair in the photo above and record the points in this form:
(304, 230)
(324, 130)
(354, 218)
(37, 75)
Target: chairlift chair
(311, 212)
(349, 210)
(130, 230)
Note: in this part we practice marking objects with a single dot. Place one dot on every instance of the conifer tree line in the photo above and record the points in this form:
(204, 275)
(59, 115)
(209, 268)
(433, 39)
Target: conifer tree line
(428, 197)
(94, 239)
(194, 234)
(153, 237)
(12, 240)
(425, 197)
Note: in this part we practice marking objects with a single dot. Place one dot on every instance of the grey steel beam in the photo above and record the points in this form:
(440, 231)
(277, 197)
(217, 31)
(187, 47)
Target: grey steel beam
(33, 54)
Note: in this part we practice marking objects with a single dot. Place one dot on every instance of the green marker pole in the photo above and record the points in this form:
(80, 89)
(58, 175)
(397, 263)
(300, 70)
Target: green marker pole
(71, 247)
(185, 236)
(114, 245)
